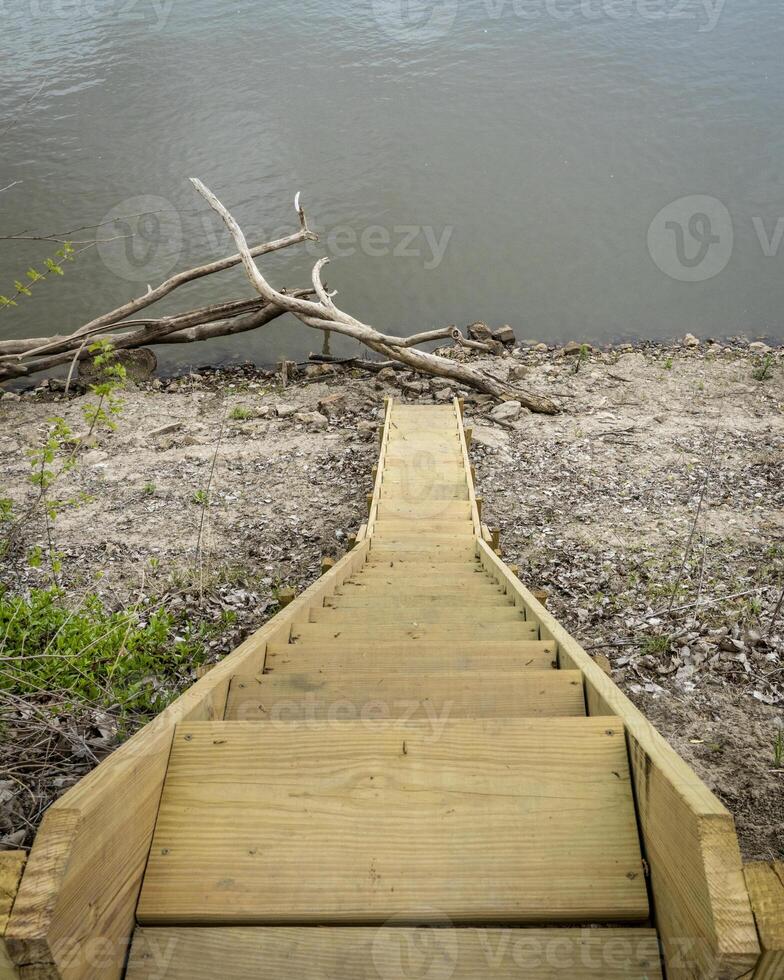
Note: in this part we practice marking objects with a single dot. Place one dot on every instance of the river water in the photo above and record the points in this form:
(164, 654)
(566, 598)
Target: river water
(587, 169)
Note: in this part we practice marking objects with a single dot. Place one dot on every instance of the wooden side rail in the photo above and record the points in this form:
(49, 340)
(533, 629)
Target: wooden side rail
(701, 904)
(765, 881)
(74, 914)
(376, 497)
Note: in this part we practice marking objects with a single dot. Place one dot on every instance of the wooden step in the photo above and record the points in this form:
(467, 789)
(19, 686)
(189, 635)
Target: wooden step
(432, 509)
(526, 820)
(403, 582)
(338, 695)
(393, 953)
(376, 598)
(406, 587)
(443, 632)
(391, 550)
(453, 654)
(412, 531)
(393, 613)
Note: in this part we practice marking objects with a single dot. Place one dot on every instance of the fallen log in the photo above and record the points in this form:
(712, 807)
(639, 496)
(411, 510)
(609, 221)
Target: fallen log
(323, 314)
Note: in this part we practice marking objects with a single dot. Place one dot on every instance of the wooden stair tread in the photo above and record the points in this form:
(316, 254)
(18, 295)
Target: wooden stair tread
(468, 630)
(420, 656)
(372, 694)
(512, 820)
(393, 953)
(394, 614)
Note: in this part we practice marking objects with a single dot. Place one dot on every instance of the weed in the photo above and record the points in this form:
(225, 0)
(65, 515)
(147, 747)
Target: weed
(241, 414)
(763, 372)
(668, 364)
(581, 358)
(778, 749)
(200, 498)
(149, 489)
(133, 660)
(655, 644)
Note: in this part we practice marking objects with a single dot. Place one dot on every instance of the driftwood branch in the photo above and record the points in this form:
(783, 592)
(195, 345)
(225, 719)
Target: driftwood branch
(314, 307)
(323, 314)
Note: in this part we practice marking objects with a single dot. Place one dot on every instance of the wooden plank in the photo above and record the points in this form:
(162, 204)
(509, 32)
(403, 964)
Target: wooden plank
(80, 887)
(390, 612)
(702, 907)
(391, 550)
(444, 632)
(368, 694)
(422, 656)
(393, 953)
(374, 598)
(11, 867)
(516, 820)
(384, 579)
(765, 882)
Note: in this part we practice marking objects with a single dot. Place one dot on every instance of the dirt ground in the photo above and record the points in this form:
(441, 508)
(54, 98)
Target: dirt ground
(651, 510)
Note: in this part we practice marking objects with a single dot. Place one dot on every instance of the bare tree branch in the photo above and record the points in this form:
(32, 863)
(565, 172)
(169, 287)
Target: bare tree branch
(324, 315)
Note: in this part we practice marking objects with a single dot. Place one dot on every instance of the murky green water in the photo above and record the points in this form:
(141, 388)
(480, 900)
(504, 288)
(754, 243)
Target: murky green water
(577, 168)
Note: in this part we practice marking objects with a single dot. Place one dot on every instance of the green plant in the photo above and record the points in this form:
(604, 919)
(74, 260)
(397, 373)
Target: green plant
(778, 749)
(240, 414)
(762, 373)
(134, 661)
(200, 498)
(53, 267)
(149, 489)
(581, 358)
(655, 644)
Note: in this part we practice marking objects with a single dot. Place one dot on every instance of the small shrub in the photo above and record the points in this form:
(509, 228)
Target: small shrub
(763, 372)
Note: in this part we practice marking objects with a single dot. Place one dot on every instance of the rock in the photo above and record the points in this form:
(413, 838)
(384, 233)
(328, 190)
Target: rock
(332, 404)
(504, 335)
(480, 331)
(543, 348)
(415, 387)
(367, 428)
(729, 645)
(489, 438)
(11, 396)
(506, 411)
(573, 348)
(690, 341)
(320, 370)
(444, 395)
(164, 430)
(516, 372)
(285, 411)
(759, 348)
(387, 376)
(140, 365)
(438, 383)
(314, 420)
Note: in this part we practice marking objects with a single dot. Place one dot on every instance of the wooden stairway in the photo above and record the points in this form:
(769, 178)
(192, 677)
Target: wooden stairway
(416, 743)
(410, 753)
